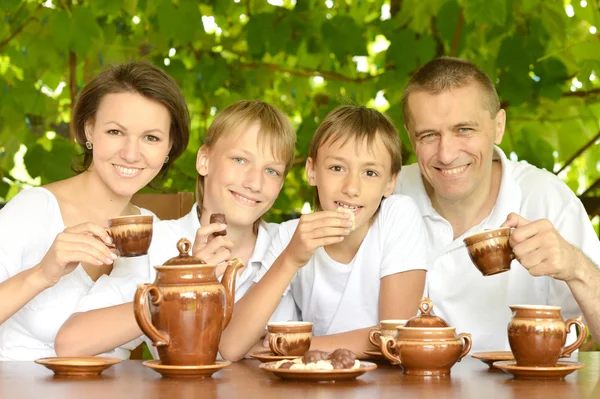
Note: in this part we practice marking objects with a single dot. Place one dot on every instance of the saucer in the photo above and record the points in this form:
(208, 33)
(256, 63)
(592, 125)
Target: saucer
(81, 366)
(200, 371)
(490, 357)
(556, 372)
(268, 356)
(318, 375)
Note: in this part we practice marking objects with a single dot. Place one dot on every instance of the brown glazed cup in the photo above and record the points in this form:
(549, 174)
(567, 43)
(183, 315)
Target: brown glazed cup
(289, 338)
(426, 351)
(537, 335)
(131, 234)
(490, 251)
(387, 329)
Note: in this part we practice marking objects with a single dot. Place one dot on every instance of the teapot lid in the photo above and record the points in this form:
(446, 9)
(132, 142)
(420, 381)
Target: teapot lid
(425, 319)
(184, 258)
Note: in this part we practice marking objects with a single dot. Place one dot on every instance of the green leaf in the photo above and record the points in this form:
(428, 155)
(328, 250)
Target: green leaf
(258, 32)
(88, 31)
(130, 6)
(407, 52)
(490, 12)
(344, 37)
(60, 26)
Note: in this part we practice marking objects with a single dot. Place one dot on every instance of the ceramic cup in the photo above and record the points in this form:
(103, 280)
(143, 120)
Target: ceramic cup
(537, 335)
(387, 329)
(490, 251)
(290, 338)
(131, 234)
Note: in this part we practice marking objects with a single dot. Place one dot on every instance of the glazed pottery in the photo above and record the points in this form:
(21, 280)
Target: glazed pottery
(291, 338)
(387, 328)
(537, 335)
(490, 251)
(131, 235)
(189, 308)
(426, 351)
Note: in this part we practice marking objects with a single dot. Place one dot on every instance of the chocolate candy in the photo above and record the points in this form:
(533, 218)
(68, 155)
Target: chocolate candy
(218, 218)
(342, 359)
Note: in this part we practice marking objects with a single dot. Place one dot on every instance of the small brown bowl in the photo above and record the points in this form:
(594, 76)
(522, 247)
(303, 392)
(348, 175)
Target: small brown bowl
(490, 251)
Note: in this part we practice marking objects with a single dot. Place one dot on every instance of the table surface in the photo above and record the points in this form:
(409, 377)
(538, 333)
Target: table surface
(469, 379)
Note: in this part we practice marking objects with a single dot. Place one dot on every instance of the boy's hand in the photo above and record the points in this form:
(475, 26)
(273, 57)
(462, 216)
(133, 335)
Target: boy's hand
(315, 230)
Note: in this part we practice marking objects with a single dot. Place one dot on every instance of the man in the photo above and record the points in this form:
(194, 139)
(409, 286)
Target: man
(464, 184)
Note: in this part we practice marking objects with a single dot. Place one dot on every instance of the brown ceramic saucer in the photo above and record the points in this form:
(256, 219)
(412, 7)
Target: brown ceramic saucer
(556, 372)
(82, 366)
(168, 371)
(268, 356)
(490, 357)
(318, 375)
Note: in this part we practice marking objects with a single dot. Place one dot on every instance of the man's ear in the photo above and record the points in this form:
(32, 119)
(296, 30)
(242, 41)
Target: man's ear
(390, 186)
(499, 126)
(310, 172)
(202, 161)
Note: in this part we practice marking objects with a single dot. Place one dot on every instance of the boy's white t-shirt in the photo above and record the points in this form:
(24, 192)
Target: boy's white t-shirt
(339, 297)
(29, 224)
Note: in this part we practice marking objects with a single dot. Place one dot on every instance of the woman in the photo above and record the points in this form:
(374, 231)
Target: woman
(132, 122)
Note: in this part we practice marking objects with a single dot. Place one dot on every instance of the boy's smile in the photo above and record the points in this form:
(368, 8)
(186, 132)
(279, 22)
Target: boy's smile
(352, 175)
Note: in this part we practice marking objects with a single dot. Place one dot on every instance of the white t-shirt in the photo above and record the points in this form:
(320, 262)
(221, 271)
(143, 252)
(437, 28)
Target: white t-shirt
(120, 286)
(29, 224)
(479, 305)
(339, 297)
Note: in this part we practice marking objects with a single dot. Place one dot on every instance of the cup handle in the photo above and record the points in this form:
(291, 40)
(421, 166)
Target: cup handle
(141, 315)
(578, 321)
(388, 343)
(278, 344)
(467, 342)
(375, 337)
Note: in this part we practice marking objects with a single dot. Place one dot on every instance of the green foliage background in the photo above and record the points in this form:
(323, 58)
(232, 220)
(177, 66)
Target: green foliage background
(543, 60)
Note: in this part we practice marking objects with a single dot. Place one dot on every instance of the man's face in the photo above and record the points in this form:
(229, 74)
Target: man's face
(453, 136)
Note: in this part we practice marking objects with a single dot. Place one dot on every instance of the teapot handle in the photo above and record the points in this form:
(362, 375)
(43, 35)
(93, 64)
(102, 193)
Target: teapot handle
(141, 315)
(467, 341)
(388, 343)
(578, 321)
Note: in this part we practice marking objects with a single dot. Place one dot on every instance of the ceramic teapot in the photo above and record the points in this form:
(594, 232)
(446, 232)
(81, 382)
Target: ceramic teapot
(189, 308)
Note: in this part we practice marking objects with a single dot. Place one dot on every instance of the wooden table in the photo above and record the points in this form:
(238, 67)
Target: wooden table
(129, 379)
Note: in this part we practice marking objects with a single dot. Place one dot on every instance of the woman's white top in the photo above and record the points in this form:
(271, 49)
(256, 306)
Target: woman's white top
(29, 224)
(338, 297)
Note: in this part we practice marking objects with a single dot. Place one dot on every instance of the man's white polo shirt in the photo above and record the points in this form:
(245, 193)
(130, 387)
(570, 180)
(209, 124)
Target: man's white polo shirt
(480, 305)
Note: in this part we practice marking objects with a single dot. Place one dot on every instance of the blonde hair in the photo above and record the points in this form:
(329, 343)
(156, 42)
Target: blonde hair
(360, 123)
(276, 132)
(447, 73)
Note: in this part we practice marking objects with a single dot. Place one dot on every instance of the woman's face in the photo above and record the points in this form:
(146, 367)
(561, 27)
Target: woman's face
(131, 141)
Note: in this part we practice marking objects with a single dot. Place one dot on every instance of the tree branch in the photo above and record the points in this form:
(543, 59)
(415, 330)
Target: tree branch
(439, 43)
(309, 72)
(581, 93)
(17, 32)
(579, 152)
(72, 84)
(457, 33)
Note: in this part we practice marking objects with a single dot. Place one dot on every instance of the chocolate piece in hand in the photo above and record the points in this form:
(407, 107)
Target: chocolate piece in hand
(218, 218)
(314, 356)
(342, 359)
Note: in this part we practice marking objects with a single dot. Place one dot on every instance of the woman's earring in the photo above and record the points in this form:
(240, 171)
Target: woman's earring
(89, 145)
(167, 159)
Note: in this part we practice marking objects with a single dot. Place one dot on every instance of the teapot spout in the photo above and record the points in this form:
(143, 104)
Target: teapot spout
(228, 282)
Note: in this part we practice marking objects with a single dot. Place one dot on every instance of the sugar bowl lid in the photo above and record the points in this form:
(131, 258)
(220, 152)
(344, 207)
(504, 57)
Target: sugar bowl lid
(184, 258)
(425, 319)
